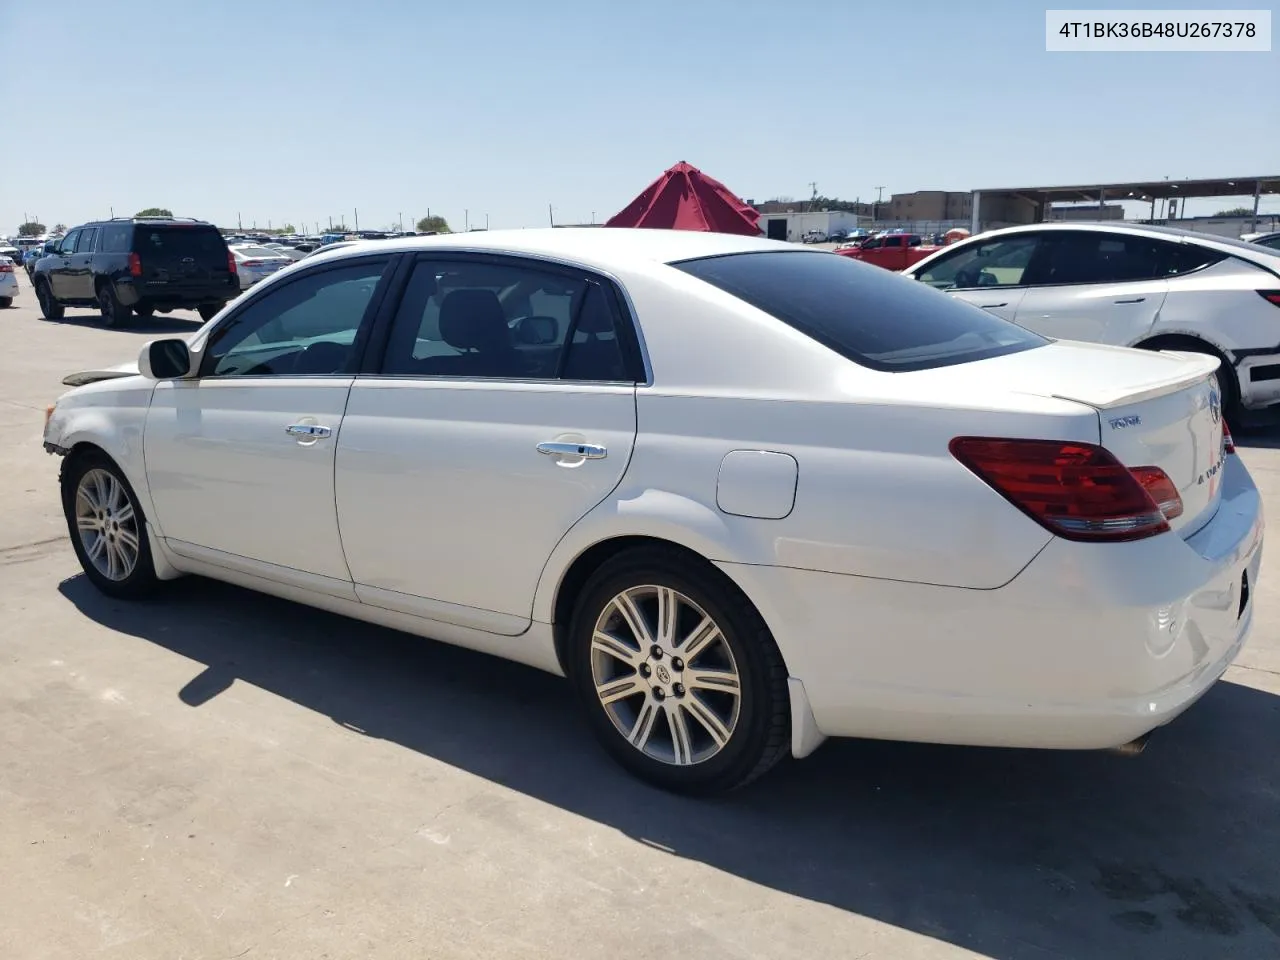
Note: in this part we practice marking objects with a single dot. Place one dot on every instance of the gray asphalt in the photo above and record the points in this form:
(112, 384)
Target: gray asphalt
(219, 774)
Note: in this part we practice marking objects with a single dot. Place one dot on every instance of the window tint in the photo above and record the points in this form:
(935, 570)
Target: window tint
(1184, 257)
(204, 242)
(999, 262)
(1272, 242)
(115, 239)
(87, 237)
(305, 327)
(867, 314)
(893, 241)
(1084, 257)
(498, 320)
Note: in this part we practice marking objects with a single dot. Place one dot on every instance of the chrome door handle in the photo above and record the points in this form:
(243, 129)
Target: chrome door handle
(313, 430)
(587, 451)
(1134, 300)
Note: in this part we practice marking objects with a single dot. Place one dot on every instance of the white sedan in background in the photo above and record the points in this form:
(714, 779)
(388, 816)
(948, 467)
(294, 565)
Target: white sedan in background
(1157, 288)
(254, 263)
(744, 494)
(8, 281)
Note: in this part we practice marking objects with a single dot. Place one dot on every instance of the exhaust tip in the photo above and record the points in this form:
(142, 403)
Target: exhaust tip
(1132, 748)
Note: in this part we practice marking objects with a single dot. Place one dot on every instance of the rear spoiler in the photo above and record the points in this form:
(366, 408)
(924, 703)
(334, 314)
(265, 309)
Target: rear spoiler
(1195, 367)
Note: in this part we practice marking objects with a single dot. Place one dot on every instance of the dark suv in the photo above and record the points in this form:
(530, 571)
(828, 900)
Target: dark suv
(137, 265)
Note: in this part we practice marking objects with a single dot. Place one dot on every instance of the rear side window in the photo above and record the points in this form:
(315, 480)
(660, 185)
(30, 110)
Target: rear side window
(1185, 257)
(115, 239)
(203, 243)
(869, 315)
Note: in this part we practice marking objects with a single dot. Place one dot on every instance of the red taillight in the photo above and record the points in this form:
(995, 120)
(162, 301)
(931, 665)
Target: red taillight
(1228, 444)
(1271, 296)
(231, 262)
(6, 268)
(1078, 491)
(253, 263)
(135, 265)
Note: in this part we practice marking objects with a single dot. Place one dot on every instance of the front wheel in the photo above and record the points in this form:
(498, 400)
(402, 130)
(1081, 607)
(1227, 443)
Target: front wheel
(50, 308)
(679, 675)
(6, 302)
(107, 527)
(114, 313)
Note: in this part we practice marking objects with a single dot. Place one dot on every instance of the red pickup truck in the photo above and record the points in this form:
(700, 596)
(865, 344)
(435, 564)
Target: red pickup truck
(893, 251)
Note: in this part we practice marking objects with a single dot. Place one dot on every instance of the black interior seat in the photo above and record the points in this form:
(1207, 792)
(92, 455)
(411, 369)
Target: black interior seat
(473, 323)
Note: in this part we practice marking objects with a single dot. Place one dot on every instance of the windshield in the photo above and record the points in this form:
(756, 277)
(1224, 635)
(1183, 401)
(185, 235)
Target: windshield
(869, 315)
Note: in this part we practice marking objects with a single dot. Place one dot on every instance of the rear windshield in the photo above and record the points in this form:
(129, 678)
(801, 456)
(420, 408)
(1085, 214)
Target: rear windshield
(865, 313)
(246, 253)
(180, 242)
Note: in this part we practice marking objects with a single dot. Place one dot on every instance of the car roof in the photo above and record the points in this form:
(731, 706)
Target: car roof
(1238, 248)
(599, 247)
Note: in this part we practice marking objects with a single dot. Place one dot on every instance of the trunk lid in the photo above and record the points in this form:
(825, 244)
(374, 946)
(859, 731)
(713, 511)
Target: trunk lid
(180, 255)
(1158, 409)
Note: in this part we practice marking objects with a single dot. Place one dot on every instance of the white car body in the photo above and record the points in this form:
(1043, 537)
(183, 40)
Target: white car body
(8, 279)
(1215, 307)
(255, 263)
(909, 600)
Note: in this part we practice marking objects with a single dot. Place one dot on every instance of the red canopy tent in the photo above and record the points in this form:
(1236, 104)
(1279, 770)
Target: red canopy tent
(685, 198)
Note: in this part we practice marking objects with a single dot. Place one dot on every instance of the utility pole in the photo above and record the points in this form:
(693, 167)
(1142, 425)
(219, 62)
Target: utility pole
(400, 221)
(875, 210)
(813, 197)
(357, 214)
(486, 221)
(551, 215)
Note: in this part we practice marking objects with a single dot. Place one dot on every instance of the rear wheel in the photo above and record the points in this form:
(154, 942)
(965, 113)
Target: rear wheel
(49, 307)
(208, 311)
(6, 302)
(680, 677)
(114, 313)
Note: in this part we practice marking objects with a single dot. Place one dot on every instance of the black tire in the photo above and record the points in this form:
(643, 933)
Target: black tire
(758, 739)
(144, 310)
(6, 302)
(142, 580)
(50, 308)
(208, 311)
(114, 313)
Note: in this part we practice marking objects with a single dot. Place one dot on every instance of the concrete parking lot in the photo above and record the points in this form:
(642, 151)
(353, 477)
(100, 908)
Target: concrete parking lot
(219, 774)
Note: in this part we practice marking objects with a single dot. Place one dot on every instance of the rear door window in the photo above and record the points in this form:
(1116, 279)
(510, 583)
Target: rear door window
(1081, 257)
(869, 315)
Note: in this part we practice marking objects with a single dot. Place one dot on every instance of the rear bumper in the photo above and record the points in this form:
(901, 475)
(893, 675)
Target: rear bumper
(1259, 379)
(1091, 646)
(131, 293)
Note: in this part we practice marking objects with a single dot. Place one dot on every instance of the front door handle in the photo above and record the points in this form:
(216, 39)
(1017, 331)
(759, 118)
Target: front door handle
(1134, 300)
(587, 451)
(310, 431)
(992, 306)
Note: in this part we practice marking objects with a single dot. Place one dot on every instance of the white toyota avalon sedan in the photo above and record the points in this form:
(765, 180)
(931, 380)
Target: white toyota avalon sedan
(745, 495)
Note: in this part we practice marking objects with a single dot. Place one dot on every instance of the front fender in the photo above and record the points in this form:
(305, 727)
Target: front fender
(112, 416)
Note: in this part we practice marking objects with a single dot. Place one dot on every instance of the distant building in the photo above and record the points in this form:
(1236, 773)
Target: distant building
(1085, 211)
(793, 225)
(927, 205)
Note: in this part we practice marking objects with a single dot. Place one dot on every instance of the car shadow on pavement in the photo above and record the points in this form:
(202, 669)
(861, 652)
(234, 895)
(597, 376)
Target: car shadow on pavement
(158, 323)
(1016, 855)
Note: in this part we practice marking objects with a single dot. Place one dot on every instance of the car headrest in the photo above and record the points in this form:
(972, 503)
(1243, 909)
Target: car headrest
(473, 320)
(595, 317)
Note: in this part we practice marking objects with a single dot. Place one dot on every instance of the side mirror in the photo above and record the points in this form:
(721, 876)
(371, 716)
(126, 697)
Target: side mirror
(537, 331)
(165, 359)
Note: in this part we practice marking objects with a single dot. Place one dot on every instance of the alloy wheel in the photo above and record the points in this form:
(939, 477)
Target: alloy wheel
(107, 524)
(665, 675)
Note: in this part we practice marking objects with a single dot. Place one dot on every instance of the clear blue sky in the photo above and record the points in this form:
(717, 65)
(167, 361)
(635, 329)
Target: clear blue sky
(286, 110)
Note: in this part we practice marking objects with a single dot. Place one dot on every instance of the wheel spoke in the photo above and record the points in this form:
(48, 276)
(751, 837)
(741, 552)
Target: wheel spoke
(717, 681)
(115, 493)
(125, 513)
(619, 689)
(89, 494)
(626, 606)
(668, 615)
(642, 729)
(87, 523)
(681, 740)
(615, 647)
(709, 721)
(127, 545)
(699, 639)
(94, 549)
(113, 561)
